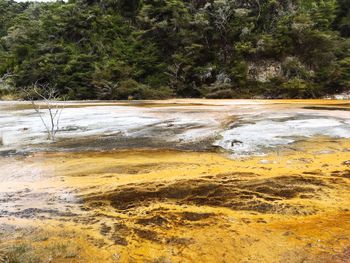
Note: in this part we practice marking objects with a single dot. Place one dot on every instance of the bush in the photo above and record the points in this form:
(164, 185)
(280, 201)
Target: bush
(132, 89)
(219, 91)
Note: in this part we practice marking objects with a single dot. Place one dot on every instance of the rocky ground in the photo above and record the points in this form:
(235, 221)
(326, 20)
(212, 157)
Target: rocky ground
(287, 200)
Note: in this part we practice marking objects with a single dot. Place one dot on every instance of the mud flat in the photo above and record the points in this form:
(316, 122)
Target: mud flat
(239, 199)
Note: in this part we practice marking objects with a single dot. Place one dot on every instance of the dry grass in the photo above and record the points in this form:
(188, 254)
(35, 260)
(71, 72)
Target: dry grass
(25, 253)
(3, 257)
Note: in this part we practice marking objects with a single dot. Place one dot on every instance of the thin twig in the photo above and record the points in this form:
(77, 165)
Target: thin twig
(50, 96)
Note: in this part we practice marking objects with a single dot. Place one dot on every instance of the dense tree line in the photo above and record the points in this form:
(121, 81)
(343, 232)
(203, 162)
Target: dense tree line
(114, 49)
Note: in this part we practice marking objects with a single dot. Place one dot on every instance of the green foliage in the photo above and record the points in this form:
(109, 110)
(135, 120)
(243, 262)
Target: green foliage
(162, 48)
(342, 21)
(130, 89)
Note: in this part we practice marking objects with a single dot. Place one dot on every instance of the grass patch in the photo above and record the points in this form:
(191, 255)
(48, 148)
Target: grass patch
(21, 253)
(25, 253)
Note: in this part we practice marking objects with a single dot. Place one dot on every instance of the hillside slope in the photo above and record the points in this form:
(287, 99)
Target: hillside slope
(150, 49)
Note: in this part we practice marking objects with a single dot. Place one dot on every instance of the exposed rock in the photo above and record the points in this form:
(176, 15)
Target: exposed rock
(235, 142)
(341, 96)
(346, 162)
(263, 71)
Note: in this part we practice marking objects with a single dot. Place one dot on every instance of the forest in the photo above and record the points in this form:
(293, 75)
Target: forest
(157, 49)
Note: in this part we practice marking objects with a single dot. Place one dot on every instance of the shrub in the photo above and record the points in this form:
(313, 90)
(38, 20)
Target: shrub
(132, 89)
